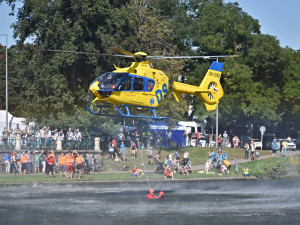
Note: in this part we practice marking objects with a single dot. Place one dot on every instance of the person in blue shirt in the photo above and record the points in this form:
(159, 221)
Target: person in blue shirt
(7, 163)
(274, 147)
(124, 152)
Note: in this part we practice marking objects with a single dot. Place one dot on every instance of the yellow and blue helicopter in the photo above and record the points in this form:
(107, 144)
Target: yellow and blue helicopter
(141, 86)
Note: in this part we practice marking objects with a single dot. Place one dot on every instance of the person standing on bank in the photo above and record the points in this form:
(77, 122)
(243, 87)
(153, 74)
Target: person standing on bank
(246, 147)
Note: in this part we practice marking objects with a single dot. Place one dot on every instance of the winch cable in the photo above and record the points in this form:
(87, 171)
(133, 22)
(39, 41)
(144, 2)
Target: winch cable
(145, 169)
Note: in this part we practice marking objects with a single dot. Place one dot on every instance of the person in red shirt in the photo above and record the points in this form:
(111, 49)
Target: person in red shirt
(136, 171)
(168, 173)
(51, 160)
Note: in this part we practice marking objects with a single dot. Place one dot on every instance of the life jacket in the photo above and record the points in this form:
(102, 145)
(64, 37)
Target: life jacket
(149, 196)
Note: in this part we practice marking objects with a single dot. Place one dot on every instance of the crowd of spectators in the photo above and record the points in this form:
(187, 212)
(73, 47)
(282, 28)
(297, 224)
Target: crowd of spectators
(219, 160)
(48, 163)
(40, 138)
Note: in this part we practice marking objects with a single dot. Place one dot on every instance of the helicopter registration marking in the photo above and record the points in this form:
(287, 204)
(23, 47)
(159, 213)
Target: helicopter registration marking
(159, 92)
(214, 74)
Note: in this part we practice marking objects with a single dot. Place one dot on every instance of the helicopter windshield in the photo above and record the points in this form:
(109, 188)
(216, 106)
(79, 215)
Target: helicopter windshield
(109, 81)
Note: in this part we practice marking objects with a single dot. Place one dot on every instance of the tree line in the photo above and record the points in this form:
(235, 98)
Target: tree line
(261, 86)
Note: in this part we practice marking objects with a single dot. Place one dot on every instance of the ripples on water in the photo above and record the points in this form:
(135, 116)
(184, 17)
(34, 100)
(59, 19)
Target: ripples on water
(222, 202)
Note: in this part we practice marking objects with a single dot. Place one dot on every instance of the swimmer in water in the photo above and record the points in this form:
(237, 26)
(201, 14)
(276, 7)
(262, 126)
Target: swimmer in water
(161, 195)
(151, 195)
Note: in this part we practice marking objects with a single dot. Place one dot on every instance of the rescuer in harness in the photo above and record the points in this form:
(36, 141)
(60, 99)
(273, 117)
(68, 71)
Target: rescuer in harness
(151, 195)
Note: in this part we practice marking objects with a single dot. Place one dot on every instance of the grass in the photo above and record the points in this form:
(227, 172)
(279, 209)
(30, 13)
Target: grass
(197, 155)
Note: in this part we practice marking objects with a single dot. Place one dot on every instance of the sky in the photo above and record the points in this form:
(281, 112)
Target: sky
(279, 18)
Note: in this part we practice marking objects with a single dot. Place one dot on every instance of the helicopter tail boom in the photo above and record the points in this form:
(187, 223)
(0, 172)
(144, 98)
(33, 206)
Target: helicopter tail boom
(210, 89)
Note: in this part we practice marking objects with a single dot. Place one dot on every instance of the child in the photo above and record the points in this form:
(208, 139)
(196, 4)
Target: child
(223, 169)
(207, 166)
(246, 172)
(237, 164)
(225, 155)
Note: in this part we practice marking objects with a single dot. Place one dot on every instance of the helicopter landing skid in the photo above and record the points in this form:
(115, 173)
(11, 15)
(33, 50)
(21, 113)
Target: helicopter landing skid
(127, 114)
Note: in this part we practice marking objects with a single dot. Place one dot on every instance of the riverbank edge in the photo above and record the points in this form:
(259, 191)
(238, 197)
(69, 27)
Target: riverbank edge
(107, 182)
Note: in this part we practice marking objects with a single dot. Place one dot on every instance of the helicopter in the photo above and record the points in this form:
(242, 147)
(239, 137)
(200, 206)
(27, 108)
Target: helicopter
(140, 86)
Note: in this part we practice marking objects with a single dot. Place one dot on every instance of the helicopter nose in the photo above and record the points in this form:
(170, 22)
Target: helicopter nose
(94, 89)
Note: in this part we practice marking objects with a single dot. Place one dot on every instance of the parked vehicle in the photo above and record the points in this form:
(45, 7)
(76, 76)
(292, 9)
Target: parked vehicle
(290, 145)
(257, 143)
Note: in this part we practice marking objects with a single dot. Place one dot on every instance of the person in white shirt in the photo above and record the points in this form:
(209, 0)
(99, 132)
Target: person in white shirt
(77, 135)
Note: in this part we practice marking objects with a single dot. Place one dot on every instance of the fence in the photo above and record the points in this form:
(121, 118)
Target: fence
(49, 144)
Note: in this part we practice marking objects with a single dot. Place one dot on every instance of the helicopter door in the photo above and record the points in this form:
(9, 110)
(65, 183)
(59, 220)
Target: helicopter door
(138, 84)
(126, 84)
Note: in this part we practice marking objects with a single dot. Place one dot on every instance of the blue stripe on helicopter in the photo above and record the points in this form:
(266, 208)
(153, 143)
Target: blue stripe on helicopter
(217, 66)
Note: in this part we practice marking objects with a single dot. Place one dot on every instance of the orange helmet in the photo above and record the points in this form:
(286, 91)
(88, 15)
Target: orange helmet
(161, 193)
(151, 191)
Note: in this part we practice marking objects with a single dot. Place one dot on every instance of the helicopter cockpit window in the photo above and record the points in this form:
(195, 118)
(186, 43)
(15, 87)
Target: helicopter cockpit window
(126, 84)
(150, 85)
(110, 81)
(138, 84)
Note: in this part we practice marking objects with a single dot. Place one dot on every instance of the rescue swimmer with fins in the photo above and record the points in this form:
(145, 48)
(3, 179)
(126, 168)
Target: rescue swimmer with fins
(151, 195)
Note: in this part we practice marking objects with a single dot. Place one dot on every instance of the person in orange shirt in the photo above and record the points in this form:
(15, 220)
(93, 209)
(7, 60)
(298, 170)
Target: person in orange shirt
(23, 161)
(79, 164)
(62, 162)
(51, 161)
(69, 162)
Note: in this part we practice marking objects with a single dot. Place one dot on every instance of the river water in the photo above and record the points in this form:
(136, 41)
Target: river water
(201, 202)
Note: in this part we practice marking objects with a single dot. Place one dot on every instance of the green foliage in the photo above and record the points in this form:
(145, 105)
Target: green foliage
(261, 86)
(272, 168)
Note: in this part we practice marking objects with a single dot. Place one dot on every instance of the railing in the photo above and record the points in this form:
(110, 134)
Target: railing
(49, 144)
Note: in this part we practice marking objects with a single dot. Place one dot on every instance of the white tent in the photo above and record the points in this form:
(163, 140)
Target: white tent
(12, 121)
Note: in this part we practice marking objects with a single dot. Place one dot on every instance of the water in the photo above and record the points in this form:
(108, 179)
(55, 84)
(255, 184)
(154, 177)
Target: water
(221, 202)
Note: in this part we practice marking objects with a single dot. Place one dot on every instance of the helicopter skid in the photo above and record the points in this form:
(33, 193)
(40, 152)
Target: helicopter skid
(127, 114)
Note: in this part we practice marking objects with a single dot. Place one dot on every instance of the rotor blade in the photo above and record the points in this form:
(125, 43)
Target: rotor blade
(91, 53)
(192, 57)
(122, 51)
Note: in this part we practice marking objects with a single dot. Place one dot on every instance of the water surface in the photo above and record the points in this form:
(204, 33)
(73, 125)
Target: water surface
(221, 202)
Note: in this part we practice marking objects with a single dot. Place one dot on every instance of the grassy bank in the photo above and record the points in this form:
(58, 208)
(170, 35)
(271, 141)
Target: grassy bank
(112, 169)
(198, 156)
